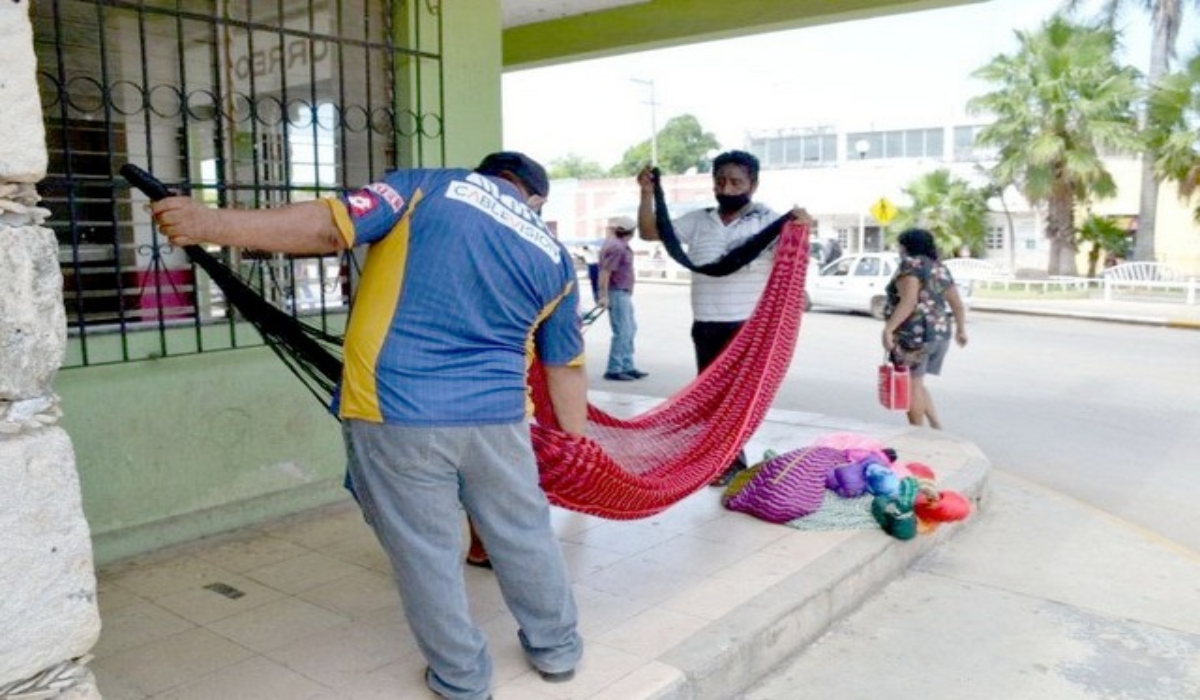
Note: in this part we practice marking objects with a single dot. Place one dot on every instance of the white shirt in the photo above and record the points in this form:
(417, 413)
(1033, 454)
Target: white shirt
(733, 297)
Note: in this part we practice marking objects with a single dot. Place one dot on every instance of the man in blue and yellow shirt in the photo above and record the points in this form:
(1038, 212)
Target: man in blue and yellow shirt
(462, 286)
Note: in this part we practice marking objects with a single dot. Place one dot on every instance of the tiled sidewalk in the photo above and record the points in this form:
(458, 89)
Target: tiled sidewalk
(696, 602)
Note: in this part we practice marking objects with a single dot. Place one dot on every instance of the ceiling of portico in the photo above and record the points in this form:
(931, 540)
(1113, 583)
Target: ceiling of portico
(515, 13)
(545, 32)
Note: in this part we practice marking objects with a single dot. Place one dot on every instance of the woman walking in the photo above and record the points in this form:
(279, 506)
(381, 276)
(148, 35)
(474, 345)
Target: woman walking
(922, 302)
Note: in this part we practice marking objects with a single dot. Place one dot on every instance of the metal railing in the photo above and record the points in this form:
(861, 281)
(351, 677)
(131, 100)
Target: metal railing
(240, 103)
(1186, 291)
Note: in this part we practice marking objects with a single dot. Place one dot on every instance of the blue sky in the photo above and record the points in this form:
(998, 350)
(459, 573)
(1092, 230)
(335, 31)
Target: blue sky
(899, 71)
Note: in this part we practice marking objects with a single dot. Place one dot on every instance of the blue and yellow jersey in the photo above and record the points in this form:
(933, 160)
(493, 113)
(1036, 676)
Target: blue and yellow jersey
(462, 284)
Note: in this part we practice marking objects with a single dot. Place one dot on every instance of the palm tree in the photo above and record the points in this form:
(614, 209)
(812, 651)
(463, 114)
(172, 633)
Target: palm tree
(949, 208)
(1172, 119)
(1058, 102)
(1167, 16)
(1104, 235)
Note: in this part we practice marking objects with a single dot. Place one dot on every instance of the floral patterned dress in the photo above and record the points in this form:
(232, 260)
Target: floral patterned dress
(931, 319)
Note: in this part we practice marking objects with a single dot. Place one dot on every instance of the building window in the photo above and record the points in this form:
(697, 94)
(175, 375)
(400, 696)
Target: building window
(965, 147)
(906, 143)
(935, 143)
(964, 142)
(795, 150)
(873, 140)
(893, 144)
(994, 240)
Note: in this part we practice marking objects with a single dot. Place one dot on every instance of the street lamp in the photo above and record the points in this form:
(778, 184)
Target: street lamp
(653, 119)
(862, 146)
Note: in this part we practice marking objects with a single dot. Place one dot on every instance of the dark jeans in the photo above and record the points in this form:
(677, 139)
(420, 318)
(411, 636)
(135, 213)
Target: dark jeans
(594, 278)
(710, 338)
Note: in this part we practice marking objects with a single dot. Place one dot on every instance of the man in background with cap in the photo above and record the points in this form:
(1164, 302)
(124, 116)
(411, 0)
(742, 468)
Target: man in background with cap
(461, 279)
(615, 285)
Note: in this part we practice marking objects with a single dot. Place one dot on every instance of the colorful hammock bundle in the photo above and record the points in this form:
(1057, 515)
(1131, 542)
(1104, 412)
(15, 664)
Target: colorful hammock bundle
(622, 468)
(636, 467)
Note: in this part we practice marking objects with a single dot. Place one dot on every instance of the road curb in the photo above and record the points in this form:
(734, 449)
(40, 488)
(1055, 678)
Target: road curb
(1107, 318)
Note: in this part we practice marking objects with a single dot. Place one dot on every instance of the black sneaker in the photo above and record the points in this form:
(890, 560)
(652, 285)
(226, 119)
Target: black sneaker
(557, 676)
(619, 377)
(637, 373)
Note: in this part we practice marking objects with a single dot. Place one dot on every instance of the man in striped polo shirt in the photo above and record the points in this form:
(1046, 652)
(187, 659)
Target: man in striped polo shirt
(720, 305)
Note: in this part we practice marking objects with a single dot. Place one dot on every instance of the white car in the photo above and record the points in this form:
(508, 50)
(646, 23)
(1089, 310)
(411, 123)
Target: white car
(855, 282)
(858, 282)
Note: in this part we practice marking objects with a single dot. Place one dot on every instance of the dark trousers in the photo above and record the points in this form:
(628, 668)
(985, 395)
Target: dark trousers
(709, 339)
(594, 278)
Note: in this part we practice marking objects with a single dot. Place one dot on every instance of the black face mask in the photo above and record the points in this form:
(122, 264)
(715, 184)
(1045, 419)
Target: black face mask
(730, 203)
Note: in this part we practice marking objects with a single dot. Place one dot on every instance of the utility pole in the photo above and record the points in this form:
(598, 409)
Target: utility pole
(653, 118)
(862, 147)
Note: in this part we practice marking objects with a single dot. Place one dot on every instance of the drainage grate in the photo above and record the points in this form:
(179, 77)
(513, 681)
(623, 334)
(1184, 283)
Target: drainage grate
(225, 589)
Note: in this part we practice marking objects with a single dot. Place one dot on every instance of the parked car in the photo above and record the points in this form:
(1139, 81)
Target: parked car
(858, 282)
(855, 282)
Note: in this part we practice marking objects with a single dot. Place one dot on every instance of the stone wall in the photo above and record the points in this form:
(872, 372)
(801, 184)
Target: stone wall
(48, 613)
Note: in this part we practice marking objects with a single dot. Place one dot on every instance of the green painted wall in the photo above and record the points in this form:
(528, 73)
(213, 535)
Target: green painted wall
(471, 62)
(174, 449)
(458, 68)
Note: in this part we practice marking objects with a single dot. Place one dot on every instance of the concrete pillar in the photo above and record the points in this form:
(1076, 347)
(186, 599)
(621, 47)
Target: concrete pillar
(48, 615)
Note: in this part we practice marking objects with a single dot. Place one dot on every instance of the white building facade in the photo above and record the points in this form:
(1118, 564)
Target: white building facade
(838, 174)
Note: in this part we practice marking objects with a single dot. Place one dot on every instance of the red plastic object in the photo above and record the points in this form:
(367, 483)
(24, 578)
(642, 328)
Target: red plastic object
(894, 385)
(948, 507)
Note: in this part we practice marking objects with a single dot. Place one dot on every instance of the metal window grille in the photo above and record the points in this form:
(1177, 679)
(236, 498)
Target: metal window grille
(242, 103)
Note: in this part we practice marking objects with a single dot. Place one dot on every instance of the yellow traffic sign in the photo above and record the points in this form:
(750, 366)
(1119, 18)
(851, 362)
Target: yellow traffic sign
(883, 210)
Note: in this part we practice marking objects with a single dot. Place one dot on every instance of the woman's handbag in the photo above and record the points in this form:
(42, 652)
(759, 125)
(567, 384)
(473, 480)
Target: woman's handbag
(894, 386)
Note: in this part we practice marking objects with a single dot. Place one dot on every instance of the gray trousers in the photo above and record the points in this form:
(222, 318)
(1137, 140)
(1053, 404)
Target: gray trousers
(410, 482)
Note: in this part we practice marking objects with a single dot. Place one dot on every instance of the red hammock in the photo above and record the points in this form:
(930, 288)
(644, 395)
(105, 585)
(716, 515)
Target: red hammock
(633, 468)
(622, 469)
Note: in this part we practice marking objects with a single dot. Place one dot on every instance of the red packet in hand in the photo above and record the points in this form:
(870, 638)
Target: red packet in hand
(894, 386)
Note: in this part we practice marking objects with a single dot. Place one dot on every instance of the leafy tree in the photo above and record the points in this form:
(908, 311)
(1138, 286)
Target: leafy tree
(682, 144)
(1058, 102)
(574, 166)
(949, 208)
(1166, 16)
(1104, 234)
(1173, 128)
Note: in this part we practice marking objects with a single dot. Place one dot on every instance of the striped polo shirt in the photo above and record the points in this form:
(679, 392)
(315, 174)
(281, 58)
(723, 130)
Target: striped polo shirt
(733, 297)
(462, 285)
